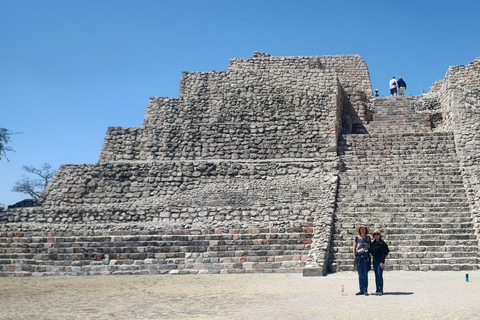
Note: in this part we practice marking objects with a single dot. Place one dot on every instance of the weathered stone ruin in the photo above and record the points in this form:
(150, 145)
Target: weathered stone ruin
(266, 167)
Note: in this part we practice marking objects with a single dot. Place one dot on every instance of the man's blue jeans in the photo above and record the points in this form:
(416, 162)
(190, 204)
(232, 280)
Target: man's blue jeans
(362, 275)
(378, 276)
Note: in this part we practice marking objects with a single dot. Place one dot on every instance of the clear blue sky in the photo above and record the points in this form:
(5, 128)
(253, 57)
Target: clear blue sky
(70, 69)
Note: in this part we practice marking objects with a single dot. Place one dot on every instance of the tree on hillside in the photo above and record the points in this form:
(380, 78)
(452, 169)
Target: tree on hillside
(4, 140)
(34, 187)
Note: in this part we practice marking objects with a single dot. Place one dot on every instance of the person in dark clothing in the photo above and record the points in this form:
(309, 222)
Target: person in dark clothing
(379, 250)
(402, 86)
(362, 261)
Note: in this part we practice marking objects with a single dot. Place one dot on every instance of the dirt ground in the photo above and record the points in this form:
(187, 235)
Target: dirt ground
(409, 295)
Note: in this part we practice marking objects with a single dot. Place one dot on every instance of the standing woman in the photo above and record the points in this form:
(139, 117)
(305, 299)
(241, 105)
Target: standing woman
(379, 250)
(362, 262)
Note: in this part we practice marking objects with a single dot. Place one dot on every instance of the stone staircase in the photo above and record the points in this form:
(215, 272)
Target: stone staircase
(405, 180)
(397, 115)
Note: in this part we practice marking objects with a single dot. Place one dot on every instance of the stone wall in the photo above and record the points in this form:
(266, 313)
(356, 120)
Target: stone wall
(352, 69)
(213, 194)
(235, 115)
(78, 249)
(261, 108)
(459, 99)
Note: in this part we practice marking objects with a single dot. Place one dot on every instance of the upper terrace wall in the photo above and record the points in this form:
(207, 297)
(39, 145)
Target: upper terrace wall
(351, 69)
(261, 108)
(240, 114)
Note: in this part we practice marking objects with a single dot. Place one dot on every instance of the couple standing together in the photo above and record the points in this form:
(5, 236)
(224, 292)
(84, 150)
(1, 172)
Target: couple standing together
(393, 86)
(363, 247)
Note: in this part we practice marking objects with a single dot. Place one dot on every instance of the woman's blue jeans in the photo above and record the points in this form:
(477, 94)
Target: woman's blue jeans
(378, 276)
(362, 275)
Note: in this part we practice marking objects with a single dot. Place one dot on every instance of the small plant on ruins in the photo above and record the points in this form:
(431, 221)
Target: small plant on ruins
(4, 140)
(34, 187)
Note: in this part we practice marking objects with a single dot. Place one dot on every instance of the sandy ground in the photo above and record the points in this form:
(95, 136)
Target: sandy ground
(409, 295)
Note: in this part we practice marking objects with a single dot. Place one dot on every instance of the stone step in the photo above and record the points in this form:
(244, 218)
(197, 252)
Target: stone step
(443, 150)
(371, 192)
(408, 179)
(405, 216)
(235, 234)
(140, 254)
(391, 221)
(342, 256)
(406, 110)
(423, 201)
(396, 143)
(395, 248)
(402, 259)
(348, 214)
(391, 168)
(348, 224)
(154, 268)
(407, 193)
(428, 266)
(400, 211)
(401, 191)
(389, 153)
(419, 201)
(359, 185)
(277, 244)
(82, 248)
(410, 164)
(400, 136)
(400, 206)
(391, 195)
(413, 261)
(414, 243)
(415, 236)
(358, 163)
(420, 126)
(395, 116)
(372, 128)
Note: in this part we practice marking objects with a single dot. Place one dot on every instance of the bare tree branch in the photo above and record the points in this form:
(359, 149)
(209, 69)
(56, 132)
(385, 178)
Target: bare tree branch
(4, 140)
(34, 187)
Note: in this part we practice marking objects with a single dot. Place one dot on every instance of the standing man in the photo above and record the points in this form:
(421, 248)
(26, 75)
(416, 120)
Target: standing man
(401, 86)
(393, 87)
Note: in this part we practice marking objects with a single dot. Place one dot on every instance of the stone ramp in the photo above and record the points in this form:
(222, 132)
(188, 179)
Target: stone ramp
(406, 181)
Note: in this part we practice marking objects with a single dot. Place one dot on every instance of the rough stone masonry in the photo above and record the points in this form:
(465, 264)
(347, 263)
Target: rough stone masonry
(239, 174)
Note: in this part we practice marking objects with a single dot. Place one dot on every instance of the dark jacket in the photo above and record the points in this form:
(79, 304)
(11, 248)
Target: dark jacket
(401, 83)
(379, 251)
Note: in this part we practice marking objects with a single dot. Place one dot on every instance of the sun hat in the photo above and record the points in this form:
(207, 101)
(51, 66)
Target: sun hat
(364, 226)
(376, 231)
